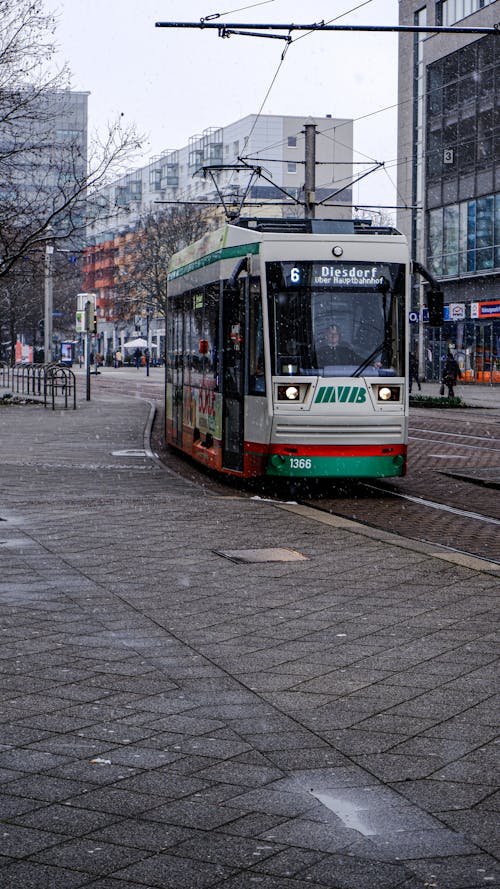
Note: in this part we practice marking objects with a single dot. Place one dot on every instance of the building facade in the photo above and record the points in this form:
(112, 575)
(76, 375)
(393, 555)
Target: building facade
(274, 143)
(43, 155)
(449, 177)
(43, 168)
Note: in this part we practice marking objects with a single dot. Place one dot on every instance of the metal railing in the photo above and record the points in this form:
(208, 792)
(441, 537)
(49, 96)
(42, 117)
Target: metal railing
(50, 384)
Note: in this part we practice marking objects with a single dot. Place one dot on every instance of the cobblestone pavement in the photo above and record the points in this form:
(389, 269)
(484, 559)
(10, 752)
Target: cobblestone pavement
(176, 714)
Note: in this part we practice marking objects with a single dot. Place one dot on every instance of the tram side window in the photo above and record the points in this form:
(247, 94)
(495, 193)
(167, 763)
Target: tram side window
(194, 336)
(207, 345)
(197, 337)
(174, 339)
(256, 377)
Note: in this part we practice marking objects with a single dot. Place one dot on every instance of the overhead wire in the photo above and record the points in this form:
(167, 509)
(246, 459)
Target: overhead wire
(324, 132)
(218, 15)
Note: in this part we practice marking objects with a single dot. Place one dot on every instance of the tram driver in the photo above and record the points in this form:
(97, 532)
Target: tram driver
(332, 350)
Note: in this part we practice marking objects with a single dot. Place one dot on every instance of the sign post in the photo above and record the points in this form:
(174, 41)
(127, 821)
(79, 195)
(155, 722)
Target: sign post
(86, 324)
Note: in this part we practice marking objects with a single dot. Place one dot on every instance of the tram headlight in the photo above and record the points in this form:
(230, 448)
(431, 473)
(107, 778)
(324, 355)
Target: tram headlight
(288, 393)
(384, 393)
(291, 393)
(388, 393)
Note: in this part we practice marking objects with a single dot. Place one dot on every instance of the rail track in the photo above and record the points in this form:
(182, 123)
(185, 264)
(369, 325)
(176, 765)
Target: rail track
(449, 498)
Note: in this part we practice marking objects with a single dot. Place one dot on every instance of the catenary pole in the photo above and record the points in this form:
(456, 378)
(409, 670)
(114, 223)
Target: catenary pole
(310, 171)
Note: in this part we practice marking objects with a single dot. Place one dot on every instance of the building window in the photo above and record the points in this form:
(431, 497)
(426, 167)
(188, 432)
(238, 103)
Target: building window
(463, 131)
(292, 142)
(448, 12)
(291, 167)
(465, 237)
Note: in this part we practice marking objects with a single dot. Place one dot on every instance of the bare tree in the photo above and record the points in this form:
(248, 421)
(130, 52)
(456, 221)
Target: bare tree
(159, 235)
(46, 180)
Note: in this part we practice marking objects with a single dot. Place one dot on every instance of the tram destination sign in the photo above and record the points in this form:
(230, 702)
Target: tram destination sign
(349, 275)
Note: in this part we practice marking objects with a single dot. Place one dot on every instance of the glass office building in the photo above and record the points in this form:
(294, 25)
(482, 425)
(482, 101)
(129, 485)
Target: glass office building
(449, 178)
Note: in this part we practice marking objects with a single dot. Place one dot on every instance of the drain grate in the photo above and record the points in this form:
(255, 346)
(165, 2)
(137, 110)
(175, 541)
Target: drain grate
(270, 554)
(132, 452)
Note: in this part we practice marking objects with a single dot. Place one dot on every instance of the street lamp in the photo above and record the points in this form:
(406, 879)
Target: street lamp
(148, 335)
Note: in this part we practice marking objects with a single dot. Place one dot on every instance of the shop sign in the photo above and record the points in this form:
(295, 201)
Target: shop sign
(414, 316)
(485, 309)
(80, 322)
(454, 312)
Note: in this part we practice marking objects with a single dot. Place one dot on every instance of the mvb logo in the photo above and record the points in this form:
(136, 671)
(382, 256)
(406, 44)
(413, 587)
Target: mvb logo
(342, 394)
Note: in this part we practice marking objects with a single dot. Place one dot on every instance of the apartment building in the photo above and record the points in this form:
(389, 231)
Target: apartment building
(260, 158)
(273, 142)
(449, 176)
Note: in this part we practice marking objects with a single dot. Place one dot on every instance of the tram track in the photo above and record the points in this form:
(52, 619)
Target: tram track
(462, 513)
(426, 521)
(461, 517)
(443, 507)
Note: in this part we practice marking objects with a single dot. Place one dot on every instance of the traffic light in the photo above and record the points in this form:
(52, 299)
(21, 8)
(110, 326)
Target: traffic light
(435, 305)
(90, 318)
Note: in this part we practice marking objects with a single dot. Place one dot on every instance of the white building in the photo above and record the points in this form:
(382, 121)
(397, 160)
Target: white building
(274, 143)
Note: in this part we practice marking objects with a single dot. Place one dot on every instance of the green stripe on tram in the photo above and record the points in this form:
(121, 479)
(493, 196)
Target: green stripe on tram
(376, 466)
(216, 256)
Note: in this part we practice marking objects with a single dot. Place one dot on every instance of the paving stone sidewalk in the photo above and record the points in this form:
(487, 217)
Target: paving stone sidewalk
(171, 717)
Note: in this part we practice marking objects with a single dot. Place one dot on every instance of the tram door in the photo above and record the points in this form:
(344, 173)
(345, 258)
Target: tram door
(233, 375)
(177, 376)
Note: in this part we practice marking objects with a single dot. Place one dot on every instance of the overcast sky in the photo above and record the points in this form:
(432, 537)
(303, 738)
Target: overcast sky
(176, 83)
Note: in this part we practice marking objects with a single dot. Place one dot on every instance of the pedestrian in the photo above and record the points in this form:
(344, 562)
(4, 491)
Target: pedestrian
(137, 357)
(451, 372)
(118, 358)
(413, 372)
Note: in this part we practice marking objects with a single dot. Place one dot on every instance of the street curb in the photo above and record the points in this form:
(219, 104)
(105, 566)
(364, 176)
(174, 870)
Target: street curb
(465, 561)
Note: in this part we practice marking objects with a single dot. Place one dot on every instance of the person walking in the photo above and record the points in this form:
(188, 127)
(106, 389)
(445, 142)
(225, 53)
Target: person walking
(451, 372)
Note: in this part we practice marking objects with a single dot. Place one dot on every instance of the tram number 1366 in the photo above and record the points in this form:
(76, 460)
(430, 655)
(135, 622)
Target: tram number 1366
(300, 463)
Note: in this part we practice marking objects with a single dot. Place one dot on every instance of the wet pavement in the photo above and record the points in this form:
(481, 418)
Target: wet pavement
(184, 704)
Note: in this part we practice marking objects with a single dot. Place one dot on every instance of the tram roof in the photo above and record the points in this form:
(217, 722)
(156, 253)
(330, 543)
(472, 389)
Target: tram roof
(242, 236)
(315, 226)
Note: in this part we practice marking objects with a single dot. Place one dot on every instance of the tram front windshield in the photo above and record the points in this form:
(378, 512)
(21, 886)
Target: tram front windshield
(335, 319)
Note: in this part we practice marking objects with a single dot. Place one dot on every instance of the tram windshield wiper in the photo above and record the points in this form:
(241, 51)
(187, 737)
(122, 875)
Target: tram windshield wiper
(364, 364)
(386, 345)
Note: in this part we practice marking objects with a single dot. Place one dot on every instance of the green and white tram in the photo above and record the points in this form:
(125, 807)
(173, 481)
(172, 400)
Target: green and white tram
(286, 349)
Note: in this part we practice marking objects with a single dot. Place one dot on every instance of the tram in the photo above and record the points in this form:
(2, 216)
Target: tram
(286, 349)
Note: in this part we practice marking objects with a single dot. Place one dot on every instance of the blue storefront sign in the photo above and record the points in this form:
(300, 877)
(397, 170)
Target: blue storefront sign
(414, 316)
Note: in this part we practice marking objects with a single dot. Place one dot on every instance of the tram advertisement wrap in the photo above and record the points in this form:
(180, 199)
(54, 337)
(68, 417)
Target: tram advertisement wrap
(203, 410)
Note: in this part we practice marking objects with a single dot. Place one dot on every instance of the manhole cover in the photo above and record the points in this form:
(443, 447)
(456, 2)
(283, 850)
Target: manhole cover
(273, 554)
